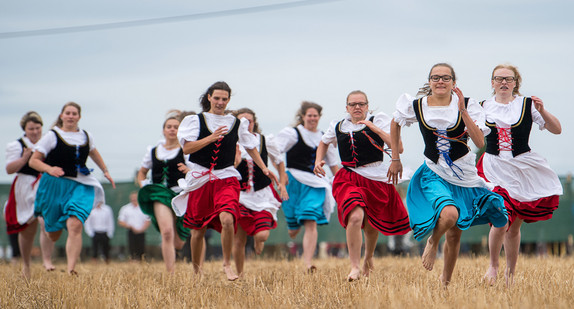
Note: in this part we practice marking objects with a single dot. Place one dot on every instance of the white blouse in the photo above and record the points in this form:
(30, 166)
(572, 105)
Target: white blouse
(14, 149)
(376, 171)
(442, 118)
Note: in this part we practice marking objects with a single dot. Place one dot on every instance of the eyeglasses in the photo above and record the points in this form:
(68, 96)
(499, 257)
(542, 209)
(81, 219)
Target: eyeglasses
(436, 78)
(508, 79)
(360, 104)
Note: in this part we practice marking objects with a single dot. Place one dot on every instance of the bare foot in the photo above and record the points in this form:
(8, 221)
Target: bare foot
(354, 275)
(509, 278)
(312, 269)
(444, 283)
(293, 233)
(49, 267)
(429, 255)
(490, 275)
(259, 247)
(368, 266)
(26, 272)
(231, 276)
(73, 273)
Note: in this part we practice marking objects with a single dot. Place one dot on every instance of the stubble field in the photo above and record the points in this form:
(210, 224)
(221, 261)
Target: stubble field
(395, 283)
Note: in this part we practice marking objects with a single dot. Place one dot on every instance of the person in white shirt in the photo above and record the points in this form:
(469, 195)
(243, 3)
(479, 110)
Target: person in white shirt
(19, 209)
(100, 227)
(365, 199)
(136, 222)
(210, 198)
(310, 200)
(531, 189)
(68, 190)
(445, 194)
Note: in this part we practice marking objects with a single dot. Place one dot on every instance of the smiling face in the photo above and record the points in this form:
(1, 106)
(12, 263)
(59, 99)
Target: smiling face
(218, 100)
(357, 107)
(251, 119)
(503, 88)
(440, 87)
(170, 130)
(33, 131)
(70, 117)
(311, 119)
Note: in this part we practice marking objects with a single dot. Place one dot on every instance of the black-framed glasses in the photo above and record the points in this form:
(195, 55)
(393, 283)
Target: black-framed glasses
(436, 78)
(500, 79)
(360, 104)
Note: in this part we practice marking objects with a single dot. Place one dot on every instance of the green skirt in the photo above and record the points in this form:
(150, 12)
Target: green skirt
(152, 193)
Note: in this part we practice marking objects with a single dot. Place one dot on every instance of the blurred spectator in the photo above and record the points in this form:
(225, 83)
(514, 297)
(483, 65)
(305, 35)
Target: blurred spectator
(132, 218)
(100, 227)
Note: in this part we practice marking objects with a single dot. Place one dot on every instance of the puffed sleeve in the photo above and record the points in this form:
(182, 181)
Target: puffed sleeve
(274, 154)
(405, 114)
(146, 161)
(477, 114)
(330, 137)
(13, 151)
(188, 130)
(91, 138)
(46, 143)
(537, 118)
(332, 156)
(383, 122)
(246, 138)
(286, 139)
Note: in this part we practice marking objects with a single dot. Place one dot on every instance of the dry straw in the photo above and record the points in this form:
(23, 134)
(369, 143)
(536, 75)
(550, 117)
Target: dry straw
(395, 283)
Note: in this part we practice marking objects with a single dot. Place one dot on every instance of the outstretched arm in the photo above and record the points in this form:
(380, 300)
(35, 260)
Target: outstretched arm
(552, 123)
(395, 172)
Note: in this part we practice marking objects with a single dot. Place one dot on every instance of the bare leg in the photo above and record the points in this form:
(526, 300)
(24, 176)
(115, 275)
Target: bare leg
(355, 241)
(495, 239)
(165, 221)
(451, 249)
(371, 236)
(73, 243)
(512, 249)
(197, 246)
(46, 246)
(239, 242)
(447, 219)
(309, 243)
(26, 242)
(227, 234)
(293, 233)
(54, 236)
(260, 239)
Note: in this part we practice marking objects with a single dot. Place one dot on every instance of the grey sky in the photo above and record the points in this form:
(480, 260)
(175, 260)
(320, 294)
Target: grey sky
(127, 79)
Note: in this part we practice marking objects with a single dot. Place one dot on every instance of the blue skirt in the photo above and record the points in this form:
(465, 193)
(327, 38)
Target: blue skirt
(428, 194)
(59, 198)
(304, 203)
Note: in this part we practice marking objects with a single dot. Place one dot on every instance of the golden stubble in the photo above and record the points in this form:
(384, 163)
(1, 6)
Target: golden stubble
(395, 283)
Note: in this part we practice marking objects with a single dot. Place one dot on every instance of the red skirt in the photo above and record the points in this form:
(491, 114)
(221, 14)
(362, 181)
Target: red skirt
(12, 225)
(381, 202)
(533, 211)
(253, 222)
(206, 203)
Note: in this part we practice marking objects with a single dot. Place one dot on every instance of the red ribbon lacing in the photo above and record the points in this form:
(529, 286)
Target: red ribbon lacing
(213, 163)
(354, 154)
(247, 186)
(504, 139)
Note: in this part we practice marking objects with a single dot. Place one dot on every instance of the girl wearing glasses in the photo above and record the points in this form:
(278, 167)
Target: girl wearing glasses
(365, 199)
(530, 188)
(166, 162)
(258, 201)
(310, 200)
(211, 195)
(445, 195)
(68, 190)
(19, 210)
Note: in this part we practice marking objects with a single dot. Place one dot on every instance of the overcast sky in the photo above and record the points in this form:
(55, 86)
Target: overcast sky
(273, 56)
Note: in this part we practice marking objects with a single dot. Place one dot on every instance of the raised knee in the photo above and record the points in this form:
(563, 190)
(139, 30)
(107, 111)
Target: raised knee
(262, 236)
(449, 215)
